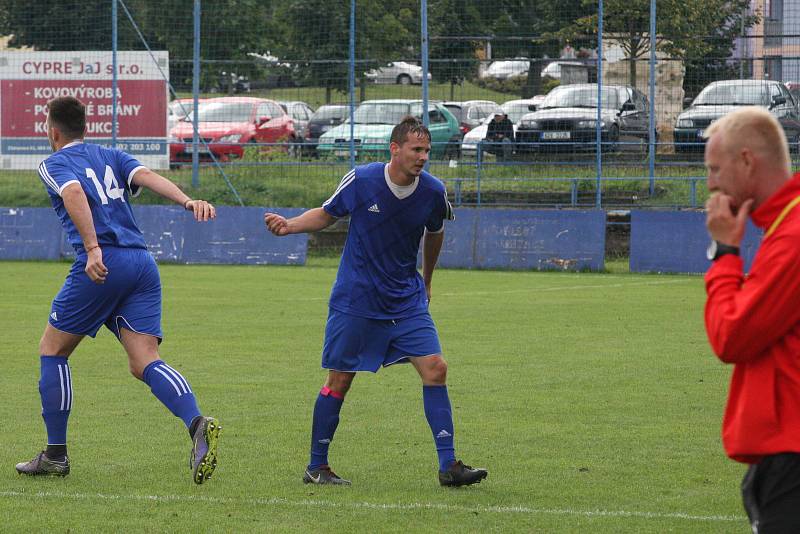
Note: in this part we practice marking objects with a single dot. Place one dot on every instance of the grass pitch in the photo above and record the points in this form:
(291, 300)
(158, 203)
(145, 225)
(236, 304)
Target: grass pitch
(593, 400)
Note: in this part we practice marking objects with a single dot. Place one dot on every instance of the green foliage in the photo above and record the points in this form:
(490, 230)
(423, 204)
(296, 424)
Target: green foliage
(511, 85)
(701, 32)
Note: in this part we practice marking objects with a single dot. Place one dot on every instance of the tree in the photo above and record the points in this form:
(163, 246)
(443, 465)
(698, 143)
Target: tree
(229, 28)
(317, 37)
(686, 30)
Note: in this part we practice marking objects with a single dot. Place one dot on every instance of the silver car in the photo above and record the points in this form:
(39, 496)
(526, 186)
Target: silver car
(398, 72)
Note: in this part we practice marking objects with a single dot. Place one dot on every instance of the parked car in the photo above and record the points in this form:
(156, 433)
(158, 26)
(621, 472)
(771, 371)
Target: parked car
(794, 89)
(720, 98)
(325, 118)
(228, 124)
(553, 69)
(398, 72)
(178, 109)
(567, 120)
(472, 112)
(374, 121)
(516, 109)
(300, 112)
(505, 69)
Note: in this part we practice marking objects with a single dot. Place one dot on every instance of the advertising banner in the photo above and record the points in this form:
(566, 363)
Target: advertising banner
(28, 80)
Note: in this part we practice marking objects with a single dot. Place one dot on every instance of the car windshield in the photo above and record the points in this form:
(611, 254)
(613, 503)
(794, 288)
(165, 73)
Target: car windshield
(733, 95)
(224, 112)
(181, 109)
(455, 110)
(516, 111)
(330, 112)
(381, 113)
(580, 97)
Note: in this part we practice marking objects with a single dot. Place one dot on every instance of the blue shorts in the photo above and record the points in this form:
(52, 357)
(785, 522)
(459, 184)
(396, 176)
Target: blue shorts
(130, 297)
(355, 343)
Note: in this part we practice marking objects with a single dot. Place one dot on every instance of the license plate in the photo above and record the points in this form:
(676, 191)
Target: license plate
(555, 135)
(700, 133)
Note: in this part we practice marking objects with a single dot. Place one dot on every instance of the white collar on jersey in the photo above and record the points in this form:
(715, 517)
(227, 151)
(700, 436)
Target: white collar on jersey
(73, 143)
(400, 191)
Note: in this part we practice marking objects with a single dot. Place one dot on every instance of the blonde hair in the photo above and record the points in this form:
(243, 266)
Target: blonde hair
(755, 128)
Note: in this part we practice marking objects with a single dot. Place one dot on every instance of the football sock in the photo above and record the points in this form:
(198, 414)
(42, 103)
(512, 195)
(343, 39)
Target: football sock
(56, 452)
(174, 392)
(193, 426)
(440, 418)
(55, 389)
(326, 419)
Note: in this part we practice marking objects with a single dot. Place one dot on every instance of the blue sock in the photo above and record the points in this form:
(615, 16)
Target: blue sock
(174, 392)
(55, 389)
(326, 419)
(440, 419)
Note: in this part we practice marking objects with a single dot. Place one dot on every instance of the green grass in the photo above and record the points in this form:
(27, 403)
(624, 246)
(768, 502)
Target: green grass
(278, 181)
(593, 399)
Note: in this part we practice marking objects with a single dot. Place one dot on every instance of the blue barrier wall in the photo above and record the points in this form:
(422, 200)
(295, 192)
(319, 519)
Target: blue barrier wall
(29, 234)
(478, 238)
(676, 242)
(525, 239)
(237, 236)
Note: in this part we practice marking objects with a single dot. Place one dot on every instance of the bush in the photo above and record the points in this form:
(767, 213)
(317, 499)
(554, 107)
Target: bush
(511, 85)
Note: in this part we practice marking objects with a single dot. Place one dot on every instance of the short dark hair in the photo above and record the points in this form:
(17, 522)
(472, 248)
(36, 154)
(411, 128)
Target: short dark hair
(409, 125)
(68, 114)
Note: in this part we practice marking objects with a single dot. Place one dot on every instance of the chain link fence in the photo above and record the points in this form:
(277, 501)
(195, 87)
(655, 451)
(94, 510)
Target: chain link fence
(553, 104)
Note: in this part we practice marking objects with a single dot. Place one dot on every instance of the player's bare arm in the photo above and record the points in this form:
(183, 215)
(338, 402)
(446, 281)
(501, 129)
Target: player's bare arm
(78, 208)
(202, 210)
(312, 220)
(431, 246)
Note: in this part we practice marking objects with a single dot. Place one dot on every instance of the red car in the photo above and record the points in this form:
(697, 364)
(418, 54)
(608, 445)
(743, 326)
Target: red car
(228, 125)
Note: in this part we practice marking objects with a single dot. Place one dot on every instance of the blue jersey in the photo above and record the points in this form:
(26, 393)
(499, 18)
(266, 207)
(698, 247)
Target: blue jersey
(105, 175)
(378, 275)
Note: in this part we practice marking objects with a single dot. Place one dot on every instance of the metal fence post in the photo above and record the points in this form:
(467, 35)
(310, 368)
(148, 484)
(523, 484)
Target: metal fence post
(573, 193)
(114, 80)
(598, 132)
(478, 166)
(196, 96)
(652, 125)
(424, 34)
(352, 74)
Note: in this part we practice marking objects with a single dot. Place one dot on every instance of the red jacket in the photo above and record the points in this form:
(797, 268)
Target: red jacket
(754, 323)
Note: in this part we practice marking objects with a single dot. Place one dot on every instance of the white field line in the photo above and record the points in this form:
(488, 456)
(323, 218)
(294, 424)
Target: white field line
(523, 290)
(307, 503)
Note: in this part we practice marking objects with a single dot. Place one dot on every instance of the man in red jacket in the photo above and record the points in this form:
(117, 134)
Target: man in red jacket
(753, 322)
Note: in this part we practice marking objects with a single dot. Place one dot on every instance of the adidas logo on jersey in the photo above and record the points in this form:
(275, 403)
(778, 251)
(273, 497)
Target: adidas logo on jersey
(54, 316)
(443, 434)
(374, 208)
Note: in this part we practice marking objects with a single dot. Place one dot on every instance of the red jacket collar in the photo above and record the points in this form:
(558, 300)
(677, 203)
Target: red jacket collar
(767, 212)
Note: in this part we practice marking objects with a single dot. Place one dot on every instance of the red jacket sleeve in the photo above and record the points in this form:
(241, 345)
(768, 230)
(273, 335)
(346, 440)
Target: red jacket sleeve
(746, 316)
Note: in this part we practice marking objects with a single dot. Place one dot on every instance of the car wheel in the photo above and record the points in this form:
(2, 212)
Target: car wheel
(404, 79)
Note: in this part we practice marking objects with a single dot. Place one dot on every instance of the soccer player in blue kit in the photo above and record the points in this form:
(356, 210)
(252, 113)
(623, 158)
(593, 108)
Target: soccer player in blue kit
(113, 282)
(378, 311)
